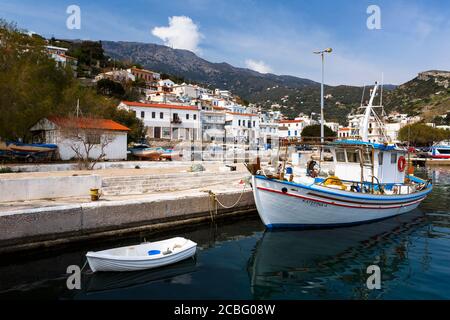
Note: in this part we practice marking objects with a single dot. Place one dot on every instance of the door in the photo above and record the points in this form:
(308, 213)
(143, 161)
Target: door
(157, 132)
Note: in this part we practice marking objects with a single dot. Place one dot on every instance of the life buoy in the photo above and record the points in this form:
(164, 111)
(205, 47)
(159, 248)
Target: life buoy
(401, 163)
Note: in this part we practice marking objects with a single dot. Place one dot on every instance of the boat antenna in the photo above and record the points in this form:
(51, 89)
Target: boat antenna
(367, 113)
(362, 97)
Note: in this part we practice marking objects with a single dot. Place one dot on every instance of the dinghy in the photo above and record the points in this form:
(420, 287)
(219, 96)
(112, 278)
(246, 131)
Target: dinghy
(147, 255)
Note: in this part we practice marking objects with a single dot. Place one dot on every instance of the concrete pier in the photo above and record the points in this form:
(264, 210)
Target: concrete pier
(130, 204)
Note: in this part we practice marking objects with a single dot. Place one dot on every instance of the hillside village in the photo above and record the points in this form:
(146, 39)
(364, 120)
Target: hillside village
(172, 109)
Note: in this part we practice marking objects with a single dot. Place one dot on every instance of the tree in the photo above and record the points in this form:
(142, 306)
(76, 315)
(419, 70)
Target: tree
(110, 88)
(419, 134)
(88, 144)
(314, 131)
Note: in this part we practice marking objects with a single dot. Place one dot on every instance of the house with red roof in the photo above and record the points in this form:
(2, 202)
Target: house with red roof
(72, 132)
(167, 121)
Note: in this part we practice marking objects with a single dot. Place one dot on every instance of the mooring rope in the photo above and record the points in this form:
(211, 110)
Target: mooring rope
(235, 204)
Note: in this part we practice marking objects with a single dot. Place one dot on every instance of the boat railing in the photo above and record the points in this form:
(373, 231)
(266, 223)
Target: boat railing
(358, 186)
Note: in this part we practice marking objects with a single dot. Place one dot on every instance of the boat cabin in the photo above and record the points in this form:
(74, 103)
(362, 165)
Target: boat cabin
(359, 161)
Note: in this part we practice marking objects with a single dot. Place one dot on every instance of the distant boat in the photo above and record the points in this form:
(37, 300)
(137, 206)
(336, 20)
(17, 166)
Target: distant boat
(36, 147)
(149, 153)
(440, 151)
(143, 256)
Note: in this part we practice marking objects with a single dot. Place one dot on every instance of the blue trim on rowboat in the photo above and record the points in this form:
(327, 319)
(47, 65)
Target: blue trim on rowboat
(325, 225)
(346, 195)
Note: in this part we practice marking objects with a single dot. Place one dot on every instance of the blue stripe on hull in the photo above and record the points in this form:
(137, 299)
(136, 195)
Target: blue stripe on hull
(325, 225)
(388, 198)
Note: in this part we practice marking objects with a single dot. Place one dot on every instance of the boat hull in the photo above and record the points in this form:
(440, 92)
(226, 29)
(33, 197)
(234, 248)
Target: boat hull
(105, 261)
(282, 204)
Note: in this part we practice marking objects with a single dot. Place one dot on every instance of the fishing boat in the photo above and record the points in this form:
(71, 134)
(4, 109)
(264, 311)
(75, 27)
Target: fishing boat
(440, 151)
(144, 256)
(36, 147)
(148, 153)
(361, 182)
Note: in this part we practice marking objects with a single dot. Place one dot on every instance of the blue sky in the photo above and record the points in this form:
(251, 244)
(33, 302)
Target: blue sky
(274, 36)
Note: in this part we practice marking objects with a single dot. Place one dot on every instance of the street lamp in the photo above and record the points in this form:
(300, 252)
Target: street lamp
(322, 134)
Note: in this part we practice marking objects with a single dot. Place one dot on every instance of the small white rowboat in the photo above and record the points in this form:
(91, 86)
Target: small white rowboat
(147, 255)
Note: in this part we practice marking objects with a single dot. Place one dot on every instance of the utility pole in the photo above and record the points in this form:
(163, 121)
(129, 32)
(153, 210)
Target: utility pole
(322, 54)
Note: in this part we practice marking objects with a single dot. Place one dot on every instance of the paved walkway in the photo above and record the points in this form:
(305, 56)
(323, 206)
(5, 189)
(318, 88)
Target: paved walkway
(217, 187)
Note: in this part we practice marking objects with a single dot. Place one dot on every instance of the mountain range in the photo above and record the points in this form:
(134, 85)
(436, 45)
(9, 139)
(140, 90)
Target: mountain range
(292, 94)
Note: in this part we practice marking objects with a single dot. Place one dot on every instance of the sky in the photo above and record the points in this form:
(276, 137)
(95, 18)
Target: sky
(394, 41)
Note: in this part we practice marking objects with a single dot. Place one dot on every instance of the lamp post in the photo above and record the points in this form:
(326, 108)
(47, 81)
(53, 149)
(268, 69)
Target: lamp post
(322, 53)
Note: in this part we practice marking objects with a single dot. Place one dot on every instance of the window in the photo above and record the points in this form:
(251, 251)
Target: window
(239, 122)
(295, 133)
(353, 155)
(254, 123)
(187, 116)
(340, 155)
(243, 123)
(380, 158)
(165, 133)
(161, 115)
(195, 117)
(393, 158)
(142, 114)
(93, 138)
(289, 132)
(153, 115)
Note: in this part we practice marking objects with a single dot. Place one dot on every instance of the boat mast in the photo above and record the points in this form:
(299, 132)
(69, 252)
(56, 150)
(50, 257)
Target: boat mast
(367, 113)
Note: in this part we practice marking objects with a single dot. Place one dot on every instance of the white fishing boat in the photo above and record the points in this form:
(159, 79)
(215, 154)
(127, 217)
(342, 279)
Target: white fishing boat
(361, 182)
(147, 255)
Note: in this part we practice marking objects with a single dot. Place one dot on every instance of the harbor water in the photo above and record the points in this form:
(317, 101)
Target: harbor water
(240, 260)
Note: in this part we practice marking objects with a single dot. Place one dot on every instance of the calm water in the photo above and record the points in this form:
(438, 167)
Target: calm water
(239, 260)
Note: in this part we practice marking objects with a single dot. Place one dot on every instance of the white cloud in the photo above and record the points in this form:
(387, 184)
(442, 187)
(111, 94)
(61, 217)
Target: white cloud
(259, 66)
(182, 33)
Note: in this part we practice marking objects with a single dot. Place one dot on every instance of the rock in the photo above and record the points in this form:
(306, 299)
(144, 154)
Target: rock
(197, 167)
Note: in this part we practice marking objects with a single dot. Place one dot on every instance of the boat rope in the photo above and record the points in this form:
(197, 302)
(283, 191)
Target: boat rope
(234, 204)
(84, 266)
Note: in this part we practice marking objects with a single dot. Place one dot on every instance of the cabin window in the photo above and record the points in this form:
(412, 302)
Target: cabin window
(380, 158)
(353, 156)
(367, 157)
(340, 155)
(393, 158)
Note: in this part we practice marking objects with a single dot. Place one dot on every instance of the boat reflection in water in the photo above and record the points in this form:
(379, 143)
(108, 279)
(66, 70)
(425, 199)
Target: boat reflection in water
(111, 281)
(332, 263)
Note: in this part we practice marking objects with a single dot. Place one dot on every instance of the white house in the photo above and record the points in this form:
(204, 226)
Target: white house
(167, 121)
(166, 83)
(291, 128)
(190, 91)
(59, 54)
(62, 131)
(244, 127)
(122, 76)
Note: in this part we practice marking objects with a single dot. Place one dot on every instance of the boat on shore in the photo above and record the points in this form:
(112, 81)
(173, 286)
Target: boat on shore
(144, 256)
(361, 182)
(148, 153)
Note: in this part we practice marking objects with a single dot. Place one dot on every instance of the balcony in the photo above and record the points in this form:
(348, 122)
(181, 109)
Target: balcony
(176, 120)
